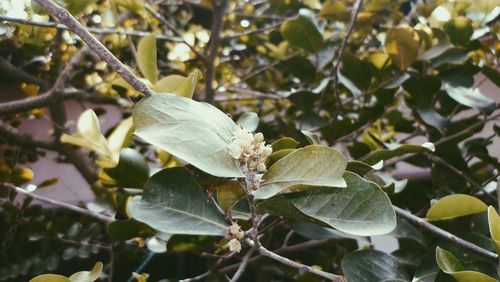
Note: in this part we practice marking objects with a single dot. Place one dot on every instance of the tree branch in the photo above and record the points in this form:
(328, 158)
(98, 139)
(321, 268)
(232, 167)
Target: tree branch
(265, 252)
(101, 31)
(173, 29)
(336, 63)
(66, 18)
(214, 43)
(64, 205)
(24, 139)
(8, 70)
(445, 234)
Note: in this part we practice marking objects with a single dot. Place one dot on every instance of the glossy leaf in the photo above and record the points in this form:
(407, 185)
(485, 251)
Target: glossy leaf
(146, 58)
(361, 208)
(173, 202)
(88, 276)
(303, 31)
(195, 132)
(371, 266)
(334, 10)
(471, 97)
(459, 29)
(284, 143)
(313, 165)
(402, 44)
(449, 264)
(249, 121)
(455, 205)
(178, 85)
(228, 194)
(132, 170)
(50, 278)
(494, 225)
(385, 154)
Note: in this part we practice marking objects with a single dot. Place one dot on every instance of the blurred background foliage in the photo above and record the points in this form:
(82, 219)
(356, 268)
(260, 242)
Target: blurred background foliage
(410, 71)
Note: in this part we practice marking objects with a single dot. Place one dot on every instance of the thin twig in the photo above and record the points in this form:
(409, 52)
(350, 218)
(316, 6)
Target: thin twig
(243, 265)
(8, 132)
(67, 206)
(172, 28)
(66, 18)
(445, 234)
(265, 252)
(307, 245)
(213, 49)
(336, 63)
(101, 31)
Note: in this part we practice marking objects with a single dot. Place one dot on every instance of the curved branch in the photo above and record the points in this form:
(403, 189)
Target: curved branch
(66, 18)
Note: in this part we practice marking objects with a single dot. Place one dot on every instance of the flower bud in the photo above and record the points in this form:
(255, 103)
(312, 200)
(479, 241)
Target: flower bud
(259, 137)
(234, 245)
(261, 167)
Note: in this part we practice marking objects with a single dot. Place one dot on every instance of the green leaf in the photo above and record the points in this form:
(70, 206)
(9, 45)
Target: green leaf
(494, 225)
(88, 276)
(371, 266)
(178, 85)
(402, 44)
(312, 165)
(455, 205)
(459, 29)
(276, 156)
(284, 143)
(385, 154)
(249, 121)
(146, 58)
(360, 209)
(173, 202)
(362, 168)
(449, 264)
(431, 117)
(355, 74)
(132, 170)
(492, 74)
(76, 6)
(303, 31)
(471, 98)
(127, 229)
(335, 10)
(228, 194)
(50, 278)
(195, 132)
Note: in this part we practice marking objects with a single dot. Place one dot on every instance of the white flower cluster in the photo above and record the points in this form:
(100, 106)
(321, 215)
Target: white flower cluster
(237, 234)
(249, 149)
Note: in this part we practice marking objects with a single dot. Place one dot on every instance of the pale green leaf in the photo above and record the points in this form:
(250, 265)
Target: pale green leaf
(173, 202)
(192, 131)
(470, 97)
(249, 121)
(313, 165)
(402, 45)
(50, 278)
(455, 205)
(360, 209)
(146, 58)
(178, 85)
(303, 31)
(88, 276)
(121, 135)
(449, 264)
(494, 224)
